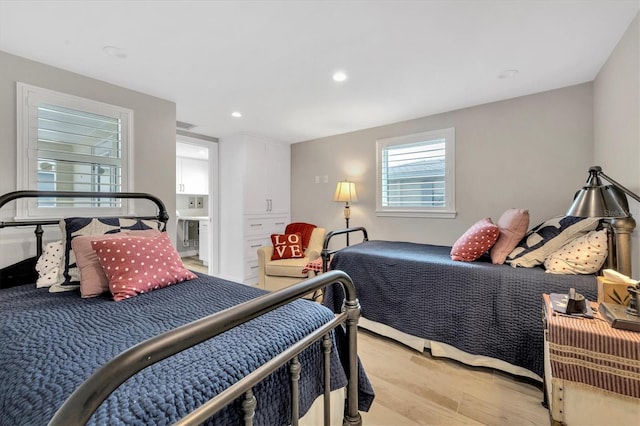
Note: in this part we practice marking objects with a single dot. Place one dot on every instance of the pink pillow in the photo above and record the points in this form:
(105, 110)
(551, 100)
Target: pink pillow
(476, 241)
(513, 226)
(135, 265)
(93, 281)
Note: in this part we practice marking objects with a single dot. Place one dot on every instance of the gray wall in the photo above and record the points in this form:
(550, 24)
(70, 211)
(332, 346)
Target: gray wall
(530, 152)
(154, 136)
(616, 121)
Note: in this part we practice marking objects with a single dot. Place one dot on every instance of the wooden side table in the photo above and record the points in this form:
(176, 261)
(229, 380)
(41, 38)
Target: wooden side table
(592, 371)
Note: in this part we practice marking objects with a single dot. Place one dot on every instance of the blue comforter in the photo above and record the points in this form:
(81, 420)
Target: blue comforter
(478, 307)
(51, 342)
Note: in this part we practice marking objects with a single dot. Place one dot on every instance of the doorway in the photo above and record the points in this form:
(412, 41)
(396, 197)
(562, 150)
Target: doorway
(197, 202)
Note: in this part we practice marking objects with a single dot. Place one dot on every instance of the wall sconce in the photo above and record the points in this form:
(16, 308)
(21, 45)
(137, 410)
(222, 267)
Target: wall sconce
(609, 202)
(346, 192)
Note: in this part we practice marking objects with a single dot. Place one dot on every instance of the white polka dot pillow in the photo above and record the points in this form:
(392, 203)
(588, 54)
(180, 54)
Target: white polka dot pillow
(584, 255)
(476, 241)
(49, 264)
(135, 265)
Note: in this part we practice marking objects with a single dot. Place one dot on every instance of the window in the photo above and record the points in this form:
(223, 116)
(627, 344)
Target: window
(67, 143)
(416, 175)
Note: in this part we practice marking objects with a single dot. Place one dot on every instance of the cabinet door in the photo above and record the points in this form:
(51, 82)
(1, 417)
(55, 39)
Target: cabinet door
(195, 176)
(279, 163)
(256, 197)
(203, 252)
(179, 188)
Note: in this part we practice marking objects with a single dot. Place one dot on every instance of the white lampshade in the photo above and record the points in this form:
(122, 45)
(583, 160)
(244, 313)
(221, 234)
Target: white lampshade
(345, 192)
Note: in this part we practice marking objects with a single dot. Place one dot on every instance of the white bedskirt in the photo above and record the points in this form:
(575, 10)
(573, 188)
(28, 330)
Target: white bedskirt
(444, 350)
(315, 415)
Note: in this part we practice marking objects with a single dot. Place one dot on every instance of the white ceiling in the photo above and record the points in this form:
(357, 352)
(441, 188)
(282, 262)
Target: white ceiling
(273, 60)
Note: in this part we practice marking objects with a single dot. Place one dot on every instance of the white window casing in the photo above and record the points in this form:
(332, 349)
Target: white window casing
(416, 175)
(68, 143)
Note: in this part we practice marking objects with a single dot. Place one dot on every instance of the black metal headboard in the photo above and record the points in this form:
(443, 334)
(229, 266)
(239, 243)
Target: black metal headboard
(24, 271)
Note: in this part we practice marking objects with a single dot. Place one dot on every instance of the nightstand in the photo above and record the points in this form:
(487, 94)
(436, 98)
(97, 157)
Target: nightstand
(592, 371)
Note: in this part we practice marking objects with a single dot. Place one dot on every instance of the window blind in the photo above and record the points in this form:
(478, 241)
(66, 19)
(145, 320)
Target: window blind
(413, 175)
(78, 151)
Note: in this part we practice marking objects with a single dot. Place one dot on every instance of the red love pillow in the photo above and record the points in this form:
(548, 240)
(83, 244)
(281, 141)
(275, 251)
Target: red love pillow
(287, 246)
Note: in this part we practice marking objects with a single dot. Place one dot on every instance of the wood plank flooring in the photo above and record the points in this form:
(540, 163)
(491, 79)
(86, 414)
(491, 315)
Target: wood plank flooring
(195, 264)
(415, 388)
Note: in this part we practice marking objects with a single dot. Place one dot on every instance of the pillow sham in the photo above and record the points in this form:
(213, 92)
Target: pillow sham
(287, 246)
(476, 241)
(69, 276)
(48, 264)
(513, 225)
(135, 265)
(548, 237)
(93, 281)
(584, 255)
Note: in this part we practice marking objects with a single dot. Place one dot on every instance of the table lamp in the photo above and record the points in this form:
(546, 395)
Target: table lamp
(346, 192)
(609, 202)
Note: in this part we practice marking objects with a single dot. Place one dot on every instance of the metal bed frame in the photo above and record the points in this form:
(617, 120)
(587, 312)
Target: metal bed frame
(162, 215)
(85, 400)
(326, 253)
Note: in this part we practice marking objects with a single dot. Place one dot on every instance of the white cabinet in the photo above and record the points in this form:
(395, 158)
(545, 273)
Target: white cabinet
(203, 242)
(254, 201)
(267, 177)
(192, 176)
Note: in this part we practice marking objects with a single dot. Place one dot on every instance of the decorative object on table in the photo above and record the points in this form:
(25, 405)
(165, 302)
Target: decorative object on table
(346, 192)
(571, 304)
(620, 317)
(634, 303)
(612, 287)
(608, 201)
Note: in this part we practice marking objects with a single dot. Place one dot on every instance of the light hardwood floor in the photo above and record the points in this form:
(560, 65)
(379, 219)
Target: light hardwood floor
(194, 264)
(415, 388)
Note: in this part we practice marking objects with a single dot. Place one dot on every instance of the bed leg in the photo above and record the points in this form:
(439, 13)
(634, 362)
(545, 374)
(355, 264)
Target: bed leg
(39, 231)
(294, 369)
(326, 348)
(249, 407)
(352, 416)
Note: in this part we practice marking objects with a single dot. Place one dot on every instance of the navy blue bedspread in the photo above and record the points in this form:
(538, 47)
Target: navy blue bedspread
(478, 307)
(51, 342)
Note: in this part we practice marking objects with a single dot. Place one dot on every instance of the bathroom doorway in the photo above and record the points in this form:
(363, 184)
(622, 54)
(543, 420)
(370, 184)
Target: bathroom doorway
(197, 201)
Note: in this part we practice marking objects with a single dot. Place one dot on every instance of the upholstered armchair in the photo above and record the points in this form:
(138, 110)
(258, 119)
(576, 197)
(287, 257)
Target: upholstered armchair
(277, 274)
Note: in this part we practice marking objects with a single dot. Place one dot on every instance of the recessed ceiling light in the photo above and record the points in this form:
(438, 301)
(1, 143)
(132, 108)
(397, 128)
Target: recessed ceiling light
(114, 51)
(508, 74)
(236, 114)
(339, 76)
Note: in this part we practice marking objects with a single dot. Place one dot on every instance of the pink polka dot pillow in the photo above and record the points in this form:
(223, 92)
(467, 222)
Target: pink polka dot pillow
(476, 241)
(135, 265)
(583, 255)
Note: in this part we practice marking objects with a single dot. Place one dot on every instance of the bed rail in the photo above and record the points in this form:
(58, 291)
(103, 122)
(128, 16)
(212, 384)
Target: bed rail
(79, 407)
(326, 253)
(162, 216)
